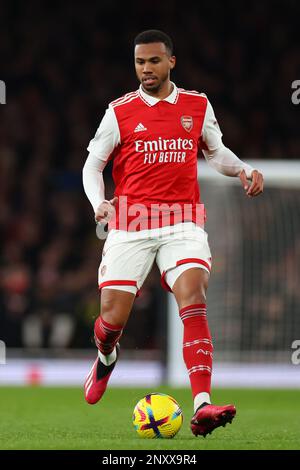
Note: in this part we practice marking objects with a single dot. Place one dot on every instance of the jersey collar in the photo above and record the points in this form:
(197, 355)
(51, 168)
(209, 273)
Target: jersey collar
(151, 100)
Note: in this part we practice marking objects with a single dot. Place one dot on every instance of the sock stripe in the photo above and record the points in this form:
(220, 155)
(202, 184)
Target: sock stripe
(197, 341)
(106, 347)
(108, 326)
(191, 310)
(185, 317)
(201, 367)
(193, 306)
(106, 335)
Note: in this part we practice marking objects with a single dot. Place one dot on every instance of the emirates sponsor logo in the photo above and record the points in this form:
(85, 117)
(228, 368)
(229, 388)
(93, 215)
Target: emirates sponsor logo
(164, 150)
(163, 144)
(187, 123)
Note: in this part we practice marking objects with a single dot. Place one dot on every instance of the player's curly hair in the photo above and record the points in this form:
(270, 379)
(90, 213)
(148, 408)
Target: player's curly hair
(154, 35)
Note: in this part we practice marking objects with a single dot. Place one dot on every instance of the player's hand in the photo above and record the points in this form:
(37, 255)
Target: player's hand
(256, 186)
(105, 211)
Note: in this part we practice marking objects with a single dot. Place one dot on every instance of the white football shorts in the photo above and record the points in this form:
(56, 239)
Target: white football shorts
(128, 257)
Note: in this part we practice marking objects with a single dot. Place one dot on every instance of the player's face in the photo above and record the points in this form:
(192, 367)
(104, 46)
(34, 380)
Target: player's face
(153, 64)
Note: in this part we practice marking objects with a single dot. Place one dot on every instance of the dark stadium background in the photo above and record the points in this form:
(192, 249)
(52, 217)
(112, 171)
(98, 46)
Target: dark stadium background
(62, 64)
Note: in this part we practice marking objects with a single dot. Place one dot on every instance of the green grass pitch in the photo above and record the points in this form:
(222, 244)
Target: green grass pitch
(58, 418)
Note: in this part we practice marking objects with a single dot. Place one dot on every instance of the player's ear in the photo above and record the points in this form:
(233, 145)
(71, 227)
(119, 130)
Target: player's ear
(172, 60)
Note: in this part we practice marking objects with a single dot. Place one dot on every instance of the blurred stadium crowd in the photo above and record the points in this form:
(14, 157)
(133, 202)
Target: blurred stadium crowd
(62, 64)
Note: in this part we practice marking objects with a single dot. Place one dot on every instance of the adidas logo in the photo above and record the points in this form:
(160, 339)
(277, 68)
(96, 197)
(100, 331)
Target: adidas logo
(140, 128)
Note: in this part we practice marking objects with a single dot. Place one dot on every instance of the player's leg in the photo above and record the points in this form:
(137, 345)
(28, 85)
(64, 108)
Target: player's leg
(190, 292)
(189, 286)
(184, 260)
(116, 306)
(125, 264)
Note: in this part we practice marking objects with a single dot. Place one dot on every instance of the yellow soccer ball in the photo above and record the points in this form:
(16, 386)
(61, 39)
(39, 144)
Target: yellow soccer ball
(157, 416)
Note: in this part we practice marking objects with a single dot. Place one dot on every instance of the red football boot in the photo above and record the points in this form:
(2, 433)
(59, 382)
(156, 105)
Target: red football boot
(97, 379)
(209, 417)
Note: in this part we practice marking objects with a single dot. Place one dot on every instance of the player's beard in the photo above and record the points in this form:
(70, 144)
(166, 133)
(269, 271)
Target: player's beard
(155, 87)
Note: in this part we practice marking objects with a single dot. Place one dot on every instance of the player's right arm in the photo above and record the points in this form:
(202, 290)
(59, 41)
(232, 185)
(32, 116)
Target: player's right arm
(100, 148)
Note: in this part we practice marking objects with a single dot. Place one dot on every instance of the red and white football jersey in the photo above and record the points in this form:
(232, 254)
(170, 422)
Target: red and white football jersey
(154, 145)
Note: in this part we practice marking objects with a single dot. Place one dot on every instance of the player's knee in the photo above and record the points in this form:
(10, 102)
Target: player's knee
(192, 299)
(110, 312)
(191, 295)
(116, 307)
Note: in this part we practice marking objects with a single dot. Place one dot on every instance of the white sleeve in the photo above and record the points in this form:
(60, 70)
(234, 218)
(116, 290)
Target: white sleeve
(92, 179)
(107, 136)
(100, 147)
(211, 132)
(218, 156)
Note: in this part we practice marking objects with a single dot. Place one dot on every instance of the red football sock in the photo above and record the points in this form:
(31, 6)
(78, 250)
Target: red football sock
(197, 347)
(106, 335)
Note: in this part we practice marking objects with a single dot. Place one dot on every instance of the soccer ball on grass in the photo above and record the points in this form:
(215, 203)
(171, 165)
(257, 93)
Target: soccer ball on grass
(157, 415)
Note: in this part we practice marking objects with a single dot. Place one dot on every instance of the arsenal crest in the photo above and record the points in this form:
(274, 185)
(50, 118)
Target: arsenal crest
(187, 123)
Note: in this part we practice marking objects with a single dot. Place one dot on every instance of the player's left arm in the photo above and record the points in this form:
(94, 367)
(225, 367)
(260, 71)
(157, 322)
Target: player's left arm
(223, 160)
